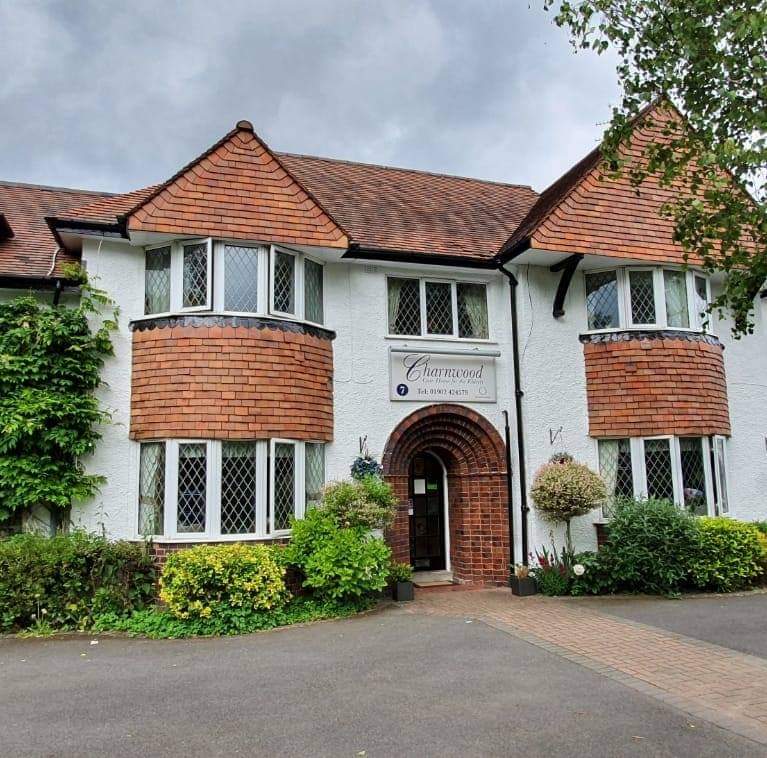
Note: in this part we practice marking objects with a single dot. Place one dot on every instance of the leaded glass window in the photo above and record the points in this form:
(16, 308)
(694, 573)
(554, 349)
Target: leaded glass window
(239, 488)
(642, 291)
(241, 279)
(677, 309)
(313, 291)
(284, 282)
(151, 499)
(314, 472)
(658, 469)
(472, 310)
(720, 466)
(693, 475)
(439, 308)
(157, 280)
(195, 275)
(284, 483)
(602, 300)
(616, 471)
(192, 487)
(404, 306)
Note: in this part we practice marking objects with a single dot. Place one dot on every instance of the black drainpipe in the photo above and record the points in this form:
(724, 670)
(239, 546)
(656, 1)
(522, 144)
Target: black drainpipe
(518, 395)
(57, 292)
(509, 489)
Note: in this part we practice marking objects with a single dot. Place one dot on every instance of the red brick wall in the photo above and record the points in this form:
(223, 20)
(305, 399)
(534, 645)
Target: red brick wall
(474, 456)
(231, 382)
(656, 385)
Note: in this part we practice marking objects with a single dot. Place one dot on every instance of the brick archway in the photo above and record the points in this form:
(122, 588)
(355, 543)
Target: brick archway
(473, 454)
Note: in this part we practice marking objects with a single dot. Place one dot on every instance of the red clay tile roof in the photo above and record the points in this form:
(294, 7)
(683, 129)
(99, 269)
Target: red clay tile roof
(29, 253)
(587, 212)
(378, 207)
(414, 211)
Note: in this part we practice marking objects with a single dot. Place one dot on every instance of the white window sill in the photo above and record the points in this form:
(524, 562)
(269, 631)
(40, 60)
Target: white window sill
(192, 539)
(618, 330)
(440, 338)
(233, 314)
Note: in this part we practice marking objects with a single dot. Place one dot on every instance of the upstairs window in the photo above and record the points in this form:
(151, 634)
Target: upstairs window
(690, 471)
(430, 308)
(646, 298)
(157, 280)
(200, 275)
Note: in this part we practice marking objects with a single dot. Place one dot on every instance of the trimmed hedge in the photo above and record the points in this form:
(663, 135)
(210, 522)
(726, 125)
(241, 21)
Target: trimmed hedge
(63, 582)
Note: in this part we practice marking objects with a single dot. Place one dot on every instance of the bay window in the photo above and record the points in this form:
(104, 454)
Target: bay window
(236, 278)
(437, 308)
(646, 297)
(689, 471)
(212, 489)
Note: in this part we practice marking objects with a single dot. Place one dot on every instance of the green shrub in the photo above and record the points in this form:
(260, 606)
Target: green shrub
(564, 489)
(225, 582)
(729, 556)
(308, 534)
(761, 526)
(351, 564)
(597, 577)
(552, 571)
(651, 546)
(68, 579)
(368, 502)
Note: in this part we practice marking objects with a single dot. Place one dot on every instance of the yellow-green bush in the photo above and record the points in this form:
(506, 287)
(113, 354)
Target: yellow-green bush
(729, 556)
(222, 581)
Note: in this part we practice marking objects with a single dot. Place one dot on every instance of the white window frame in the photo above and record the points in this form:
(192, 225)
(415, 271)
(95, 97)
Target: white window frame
(298, 304)
(320, 263)
(639, 470)
(424, 334)
(625, 319)
(219, 277)
(299, 493)
(213, 486)
(159, 314)
(178, 248)
(722, 504)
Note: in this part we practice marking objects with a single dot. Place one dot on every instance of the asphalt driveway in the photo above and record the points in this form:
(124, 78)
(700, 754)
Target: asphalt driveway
(387, 684)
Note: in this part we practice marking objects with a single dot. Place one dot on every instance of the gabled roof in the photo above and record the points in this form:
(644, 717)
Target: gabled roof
(586, 211)
(239, 188)
(29, 252)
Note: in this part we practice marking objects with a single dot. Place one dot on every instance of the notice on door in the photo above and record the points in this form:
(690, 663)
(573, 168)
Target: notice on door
(444, 377)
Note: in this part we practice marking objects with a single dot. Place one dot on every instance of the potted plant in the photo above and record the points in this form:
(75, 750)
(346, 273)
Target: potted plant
(522, 584)
(402, 580)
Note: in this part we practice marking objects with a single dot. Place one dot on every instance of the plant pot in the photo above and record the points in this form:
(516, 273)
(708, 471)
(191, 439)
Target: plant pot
(403, 591)
(523, 587)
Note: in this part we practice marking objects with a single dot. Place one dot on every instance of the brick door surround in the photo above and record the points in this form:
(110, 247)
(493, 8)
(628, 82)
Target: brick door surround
(473, 454)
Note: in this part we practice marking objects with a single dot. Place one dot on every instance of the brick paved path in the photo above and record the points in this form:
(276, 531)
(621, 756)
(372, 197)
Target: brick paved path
(714, 683)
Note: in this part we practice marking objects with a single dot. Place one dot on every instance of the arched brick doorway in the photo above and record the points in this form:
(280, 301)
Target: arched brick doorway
(472, 453)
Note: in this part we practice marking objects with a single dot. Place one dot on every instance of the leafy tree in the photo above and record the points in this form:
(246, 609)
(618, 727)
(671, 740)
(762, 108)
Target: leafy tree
(50, 366)
(709, 58)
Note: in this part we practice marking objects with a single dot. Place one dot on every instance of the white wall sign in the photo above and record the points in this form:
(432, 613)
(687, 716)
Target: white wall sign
(432, 376)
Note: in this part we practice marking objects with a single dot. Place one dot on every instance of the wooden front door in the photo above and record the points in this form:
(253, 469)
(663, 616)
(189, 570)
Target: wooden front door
(427, 519)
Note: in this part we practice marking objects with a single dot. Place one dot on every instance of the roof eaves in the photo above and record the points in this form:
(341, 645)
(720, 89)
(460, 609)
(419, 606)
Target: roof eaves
(359, 252)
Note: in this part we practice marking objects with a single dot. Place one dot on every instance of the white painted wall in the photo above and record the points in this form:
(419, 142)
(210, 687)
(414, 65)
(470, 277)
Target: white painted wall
(553, 379)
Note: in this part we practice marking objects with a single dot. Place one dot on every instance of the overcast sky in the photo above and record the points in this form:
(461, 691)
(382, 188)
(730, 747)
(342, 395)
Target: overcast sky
(114, 96)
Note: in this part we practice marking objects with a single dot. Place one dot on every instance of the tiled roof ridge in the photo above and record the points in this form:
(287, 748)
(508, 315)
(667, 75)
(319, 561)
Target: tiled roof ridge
(437, 174)
(55, 188)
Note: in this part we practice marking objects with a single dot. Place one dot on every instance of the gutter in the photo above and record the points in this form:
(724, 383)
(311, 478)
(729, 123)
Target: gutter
(518, 395)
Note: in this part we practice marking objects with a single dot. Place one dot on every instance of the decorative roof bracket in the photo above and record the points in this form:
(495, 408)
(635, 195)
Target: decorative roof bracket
(567, 266)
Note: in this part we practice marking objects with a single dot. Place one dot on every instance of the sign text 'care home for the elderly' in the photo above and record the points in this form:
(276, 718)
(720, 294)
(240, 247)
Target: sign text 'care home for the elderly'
(433, 376)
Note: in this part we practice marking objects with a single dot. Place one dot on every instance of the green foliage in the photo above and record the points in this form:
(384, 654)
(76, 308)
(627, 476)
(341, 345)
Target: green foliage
(761, 526)
(565, 489)
(161, 624)
(651, 545)
(368, 502)
(338, 563)
(225, 582)
(65, 581)
(729, 556)
(400, 572)
(708, 57)
(598, 577)
(553, 571)
(50, 364)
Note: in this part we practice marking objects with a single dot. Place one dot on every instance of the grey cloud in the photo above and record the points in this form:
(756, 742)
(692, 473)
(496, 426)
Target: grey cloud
(114, 96)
